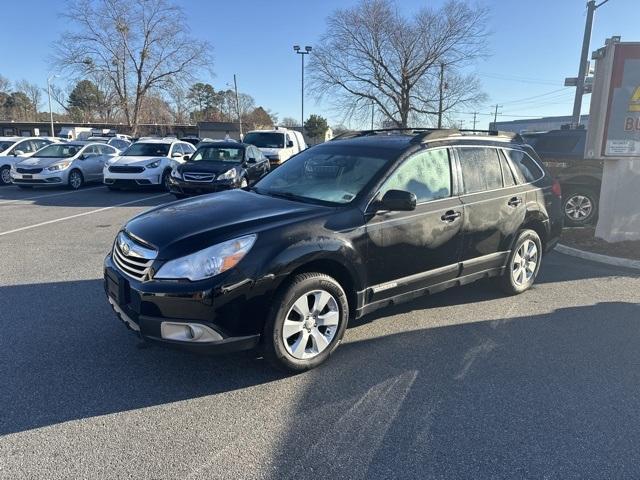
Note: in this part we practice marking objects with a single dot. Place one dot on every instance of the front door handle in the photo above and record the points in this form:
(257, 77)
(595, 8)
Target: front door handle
(450, 216)
(514, 202)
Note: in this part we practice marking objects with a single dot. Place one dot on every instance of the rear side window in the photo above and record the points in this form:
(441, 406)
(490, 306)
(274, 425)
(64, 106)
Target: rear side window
(527, 168)
(426, 174)
(480, 169)
(507, 174)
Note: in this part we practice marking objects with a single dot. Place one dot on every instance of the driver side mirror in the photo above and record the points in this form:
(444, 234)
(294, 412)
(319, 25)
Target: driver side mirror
(17, 153)
(251, 160)
(289, 144)
(398, 201)
(186, 157)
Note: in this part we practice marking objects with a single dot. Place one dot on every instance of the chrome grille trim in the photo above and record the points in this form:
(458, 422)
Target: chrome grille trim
(137, 262)
(199, 177)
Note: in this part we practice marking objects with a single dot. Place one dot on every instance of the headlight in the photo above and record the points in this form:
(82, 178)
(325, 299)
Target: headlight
(58, 166)
(153, 164)
(208, 262)
(228, 175)
(175, 173)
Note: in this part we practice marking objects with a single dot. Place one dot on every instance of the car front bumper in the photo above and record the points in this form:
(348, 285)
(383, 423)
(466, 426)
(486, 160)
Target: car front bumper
(148, 307)
(180, 187)
(146, 177)
(43, 178)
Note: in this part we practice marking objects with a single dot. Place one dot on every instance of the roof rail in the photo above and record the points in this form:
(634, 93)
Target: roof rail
(455, 132)
(422, 134)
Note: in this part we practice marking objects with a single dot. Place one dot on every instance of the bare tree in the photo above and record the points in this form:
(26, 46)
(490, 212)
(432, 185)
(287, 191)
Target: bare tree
(371, 54)
(289, 122)
(34, 93)
(138, 45)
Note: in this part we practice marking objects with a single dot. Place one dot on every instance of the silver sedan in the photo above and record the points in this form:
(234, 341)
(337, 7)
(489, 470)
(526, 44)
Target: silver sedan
(63, 164)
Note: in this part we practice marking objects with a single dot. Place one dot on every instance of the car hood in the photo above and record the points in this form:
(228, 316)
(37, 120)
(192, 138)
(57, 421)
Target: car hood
(207, 167)
(186, 226)
(41, 161)
(134, 160)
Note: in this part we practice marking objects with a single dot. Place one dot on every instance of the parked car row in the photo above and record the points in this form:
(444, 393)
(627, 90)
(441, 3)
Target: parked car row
(174, 165)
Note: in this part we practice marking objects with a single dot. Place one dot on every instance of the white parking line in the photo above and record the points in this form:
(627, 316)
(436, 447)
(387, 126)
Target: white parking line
(5, 202)
(49, 222)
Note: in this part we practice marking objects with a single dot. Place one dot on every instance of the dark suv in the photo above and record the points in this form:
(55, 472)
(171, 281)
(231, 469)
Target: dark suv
(562, 151)
(337, 231)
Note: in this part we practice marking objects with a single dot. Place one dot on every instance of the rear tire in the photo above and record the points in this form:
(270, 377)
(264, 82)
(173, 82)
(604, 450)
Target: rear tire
(5, 175)
(523, 264)
(580, 206)
(306, 322)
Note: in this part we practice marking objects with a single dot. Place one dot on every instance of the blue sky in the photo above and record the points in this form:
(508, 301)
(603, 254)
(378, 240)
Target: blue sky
(534, 45)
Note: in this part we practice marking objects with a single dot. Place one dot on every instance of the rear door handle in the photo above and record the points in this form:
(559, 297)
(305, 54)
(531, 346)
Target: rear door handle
(450, 216)
(514, 202)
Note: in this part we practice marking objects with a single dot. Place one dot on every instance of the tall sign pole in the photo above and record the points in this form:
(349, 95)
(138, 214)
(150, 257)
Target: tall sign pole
(306, 51)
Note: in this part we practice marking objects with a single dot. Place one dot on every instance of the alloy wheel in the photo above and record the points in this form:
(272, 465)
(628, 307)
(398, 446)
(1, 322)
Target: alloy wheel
(75, 180)
(578, 208)
(5, 175)
(311, 324)
(524, 263)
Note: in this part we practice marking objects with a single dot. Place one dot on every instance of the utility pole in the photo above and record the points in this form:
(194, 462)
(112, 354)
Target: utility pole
(586, 39)
(495, 116)
(373, 111)
(441, 95)
(306, 51)
(235, 86)
(474, 119)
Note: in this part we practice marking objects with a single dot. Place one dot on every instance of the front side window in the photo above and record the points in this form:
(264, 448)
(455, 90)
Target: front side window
(218, 154)
(25, 146)
(265, 139)
(526, 167)
(142, 149)
(426, 174)
(330, 174)
(480, 169)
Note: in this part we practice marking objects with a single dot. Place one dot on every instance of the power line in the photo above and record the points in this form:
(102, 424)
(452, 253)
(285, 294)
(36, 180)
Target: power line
(533, 97)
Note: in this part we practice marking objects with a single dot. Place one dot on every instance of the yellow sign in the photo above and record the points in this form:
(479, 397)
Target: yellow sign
(634, 103)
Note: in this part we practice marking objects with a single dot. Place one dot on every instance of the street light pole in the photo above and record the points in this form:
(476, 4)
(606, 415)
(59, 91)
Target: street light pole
(235, 86)
(306, 51)
(50, 110)
(586, 39)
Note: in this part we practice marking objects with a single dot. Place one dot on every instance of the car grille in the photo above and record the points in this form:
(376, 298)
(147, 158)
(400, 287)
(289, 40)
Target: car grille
(198, 177)
(125, 169)
(28, 170)
(132, 258)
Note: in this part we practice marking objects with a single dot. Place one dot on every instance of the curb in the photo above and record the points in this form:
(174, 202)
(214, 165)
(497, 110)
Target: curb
(599, 258)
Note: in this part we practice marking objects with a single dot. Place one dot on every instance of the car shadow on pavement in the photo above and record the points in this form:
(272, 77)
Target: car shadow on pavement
(70, 358)
(545, 396)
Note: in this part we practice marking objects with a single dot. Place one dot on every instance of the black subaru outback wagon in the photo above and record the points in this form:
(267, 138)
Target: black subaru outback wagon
(337, 231)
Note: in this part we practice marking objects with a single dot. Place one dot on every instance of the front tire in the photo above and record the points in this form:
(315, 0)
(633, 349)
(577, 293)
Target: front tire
(306, 323)
(166, 180)
(580, 206)
(523, 264)
(5, 175)
(75, 180)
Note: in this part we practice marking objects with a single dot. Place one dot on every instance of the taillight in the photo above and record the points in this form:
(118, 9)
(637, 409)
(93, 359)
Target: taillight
(556, 188)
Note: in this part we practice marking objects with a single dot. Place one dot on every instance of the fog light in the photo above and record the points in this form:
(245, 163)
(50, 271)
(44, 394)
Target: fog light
(188, 332)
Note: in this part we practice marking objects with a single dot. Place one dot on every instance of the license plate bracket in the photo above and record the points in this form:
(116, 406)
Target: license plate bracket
(117, 288)
(27, 177)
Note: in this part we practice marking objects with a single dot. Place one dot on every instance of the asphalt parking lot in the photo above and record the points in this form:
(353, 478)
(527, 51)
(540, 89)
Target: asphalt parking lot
(465, 384)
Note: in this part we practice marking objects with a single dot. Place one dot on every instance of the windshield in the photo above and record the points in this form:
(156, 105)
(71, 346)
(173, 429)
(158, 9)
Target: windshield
(5, 145)
(58, 150)
(265, 139)
(327, 174)
(218, 154)
(147, 150)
